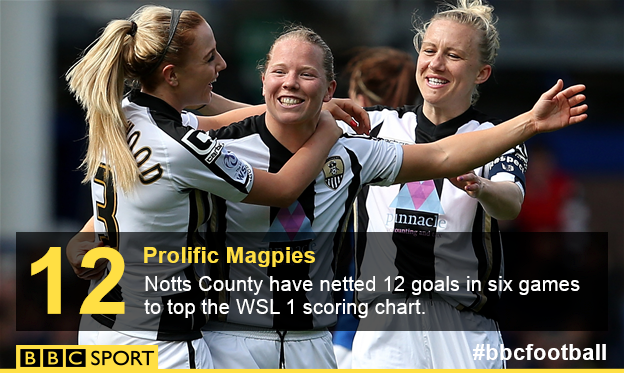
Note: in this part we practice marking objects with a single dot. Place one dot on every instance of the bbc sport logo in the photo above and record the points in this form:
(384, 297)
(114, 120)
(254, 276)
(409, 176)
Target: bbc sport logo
(122, 358)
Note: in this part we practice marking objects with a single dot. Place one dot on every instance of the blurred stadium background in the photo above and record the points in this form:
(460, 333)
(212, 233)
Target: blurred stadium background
(42, 128)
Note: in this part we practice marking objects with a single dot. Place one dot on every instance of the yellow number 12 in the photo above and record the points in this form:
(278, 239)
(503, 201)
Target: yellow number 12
(93, 303)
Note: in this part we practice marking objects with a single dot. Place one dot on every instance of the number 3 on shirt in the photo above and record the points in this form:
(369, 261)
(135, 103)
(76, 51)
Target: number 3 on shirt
(52, 260)
(107, 209)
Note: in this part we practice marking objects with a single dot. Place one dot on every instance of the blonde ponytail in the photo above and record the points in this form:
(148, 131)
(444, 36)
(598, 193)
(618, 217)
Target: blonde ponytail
(128, 52)
(97, 81)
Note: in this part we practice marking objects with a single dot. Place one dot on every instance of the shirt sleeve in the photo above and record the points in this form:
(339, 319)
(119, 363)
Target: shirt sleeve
(205, 163)
(380, 159)
(511, 166)
(345, 128)
(189, 120)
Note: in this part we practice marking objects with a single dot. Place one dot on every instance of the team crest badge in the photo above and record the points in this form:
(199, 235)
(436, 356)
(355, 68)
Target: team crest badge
(333, 170)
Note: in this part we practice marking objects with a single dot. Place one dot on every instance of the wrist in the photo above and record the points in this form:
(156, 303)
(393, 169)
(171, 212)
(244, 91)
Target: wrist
(530, 125)
(483, 189)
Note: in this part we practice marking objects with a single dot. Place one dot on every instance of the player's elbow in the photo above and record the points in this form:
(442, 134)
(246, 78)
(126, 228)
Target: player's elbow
(509, 209)
(515, 211)
(510, 214)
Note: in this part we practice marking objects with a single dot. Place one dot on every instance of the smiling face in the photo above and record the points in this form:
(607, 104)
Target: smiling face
(449, 66)
(295, 84)
(200, 69)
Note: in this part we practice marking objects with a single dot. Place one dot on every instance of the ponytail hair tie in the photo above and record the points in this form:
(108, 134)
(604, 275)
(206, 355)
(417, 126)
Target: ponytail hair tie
(133, 29)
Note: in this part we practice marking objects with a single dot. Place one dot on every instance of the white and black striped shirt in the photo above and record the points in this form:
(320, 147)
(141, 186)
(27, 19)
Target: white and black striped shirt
(310, 223)
(431, 230)
(179, 165)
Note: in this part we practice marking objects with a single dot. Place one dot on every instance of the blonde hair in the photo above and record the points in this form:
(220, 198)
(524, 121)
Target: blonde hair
(475, 13)
(384, 75)
(299, 32)
(127, 52)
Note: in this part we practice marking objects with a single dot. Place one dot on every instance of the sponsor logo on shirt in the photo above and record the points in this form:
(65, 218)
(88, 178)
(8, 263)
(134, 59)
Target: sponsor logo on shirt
(241, 173)
(230, 160)
(214, 153)
(404, 220)
(418, 196)
(417, 205)
(201, 144)
(291, 224)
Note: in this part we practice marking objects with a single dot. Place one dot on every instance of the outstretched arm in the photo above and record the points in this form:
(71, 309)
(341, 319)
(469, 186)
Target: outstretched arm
(500, 199)
(453, 155)
(207, 123)
(219, 105)
(231, 112)
(283, 188)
